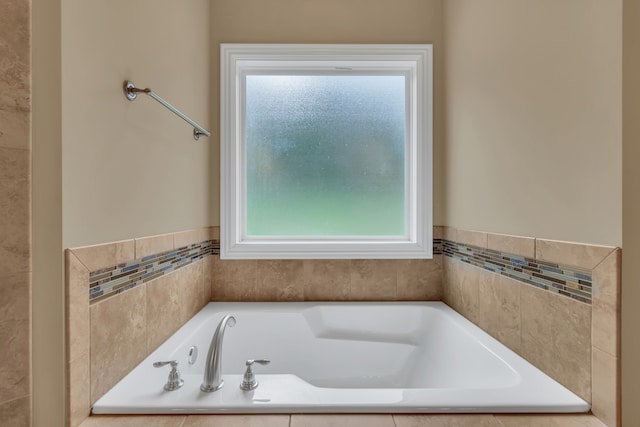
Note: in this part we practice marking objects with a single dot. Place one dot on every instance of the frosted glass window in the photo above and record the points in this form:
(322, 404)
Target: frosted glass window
(325, 155)
(325, 151)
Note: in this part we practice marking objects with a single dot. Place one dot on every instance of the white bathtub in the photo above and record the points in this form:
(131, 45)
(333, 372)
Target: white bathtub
(342, 357)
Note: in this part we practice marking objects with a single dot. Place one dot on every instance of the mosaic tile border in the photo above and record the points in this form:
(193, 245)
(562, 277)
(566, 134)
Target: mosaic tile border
(111, 281)
(572, 282)
(437, 246)
(114, 280)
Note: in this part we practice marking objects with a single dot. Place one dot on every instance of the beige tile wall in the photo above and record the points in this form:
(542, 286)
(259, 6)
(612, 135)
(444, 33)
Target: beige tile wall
(556, 337)
(577, 344)
(605, 338)
(15, 213)
(327, 280)
(107, 339)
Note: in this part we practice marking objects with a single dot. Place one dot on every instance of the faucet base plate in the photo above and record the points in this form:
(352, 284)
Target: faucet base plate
(173, 385)
(248, 386)
(210, 388)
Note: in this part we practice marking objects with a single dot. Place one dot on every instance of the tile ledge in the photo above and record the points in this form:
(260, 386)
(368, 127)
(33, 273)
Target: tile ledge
(606, 257)
(77, 248)
(70, 253)
(567, 242)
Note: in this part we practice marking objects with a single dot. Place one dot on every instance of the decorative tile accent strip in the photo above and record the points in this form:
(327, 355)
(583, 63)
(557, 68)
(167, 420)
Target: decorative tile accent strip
(573, 282)
(110, 281)
(117, 279)
(437, 246)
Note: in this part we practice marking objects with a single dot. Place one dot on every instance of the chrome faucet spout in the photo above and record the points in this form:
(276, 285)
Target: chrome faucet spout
(212, 380)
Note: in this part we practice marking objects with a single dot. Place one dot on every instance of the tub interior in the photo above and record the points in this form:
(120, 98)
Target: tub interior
(339, 346)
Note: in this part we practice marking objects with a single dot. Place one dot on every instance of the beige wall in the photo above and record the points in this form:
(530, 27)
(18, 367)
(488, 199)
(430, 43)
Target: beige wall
(329, 21)
(109, 193)
(631, 218)
(132, 168)
(15, 212)
(533, 118)
(48, 291)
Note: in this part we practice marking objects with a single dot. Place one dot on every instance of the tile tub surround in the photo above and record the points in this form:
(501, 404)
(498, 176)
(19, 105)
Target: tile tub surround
(496, 308)
(107, 338)
(129, 323)
(573, 282)
(329, 280)
(571, 337)
(305, 280)
(110, 281)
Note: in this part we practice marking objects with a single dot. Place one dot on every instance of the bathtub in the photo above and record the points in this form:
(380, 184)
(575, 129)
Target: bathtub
(341, 357)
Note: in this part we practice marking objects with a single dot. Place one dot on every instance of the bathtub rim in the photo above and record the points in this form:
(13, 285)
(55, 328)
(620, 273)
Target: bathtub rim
(106, 405)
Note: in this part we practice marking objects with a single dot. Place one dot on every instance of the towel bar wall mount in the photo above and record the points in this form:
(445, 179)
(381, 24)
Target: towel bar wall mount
(131, 92)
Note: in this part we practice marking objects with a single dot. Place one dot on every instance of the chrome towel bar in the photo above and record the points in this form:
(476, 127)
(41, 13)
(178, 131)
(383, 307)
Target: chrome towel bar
(131, 92)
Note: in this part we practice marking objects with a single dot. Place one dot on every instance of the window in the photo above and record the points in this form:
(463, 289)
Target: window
(326, 151)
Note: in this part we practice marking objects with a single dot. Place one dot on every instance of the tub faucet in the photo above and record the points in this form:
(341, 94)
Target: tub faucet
(212, 380)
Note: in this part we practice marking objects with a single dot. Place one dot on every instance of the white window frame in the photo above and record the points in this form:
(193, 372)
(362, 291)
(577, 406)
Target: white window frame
(239, 59)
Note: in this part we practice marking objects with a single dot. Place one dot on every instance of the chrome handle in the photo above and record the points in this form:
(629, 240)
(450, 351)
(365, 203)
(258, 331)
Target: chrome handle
(173, 364)
(174, 381)
(258, 361)
(249, 381)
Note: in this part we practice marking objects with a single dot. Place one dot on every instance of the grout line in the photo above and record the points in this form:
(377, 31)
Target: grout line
(72, 253)
(148, 351)
(519, 352)
(498, 420)
(603, 260)
(519, 321)
(396, 274)
(91, 354)
(14, 399)
(604, 351)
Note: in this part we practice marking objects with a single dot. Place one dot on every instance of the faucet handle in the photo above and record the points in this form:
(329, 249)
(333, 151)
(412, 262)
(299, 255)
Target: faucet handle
(173, 363)
(249, 381)
(174, 381)
(259, 361)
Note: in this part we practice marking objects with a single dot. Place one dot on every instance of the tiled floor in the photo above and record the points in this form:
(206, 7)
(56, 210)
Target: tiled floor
(487, 420)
